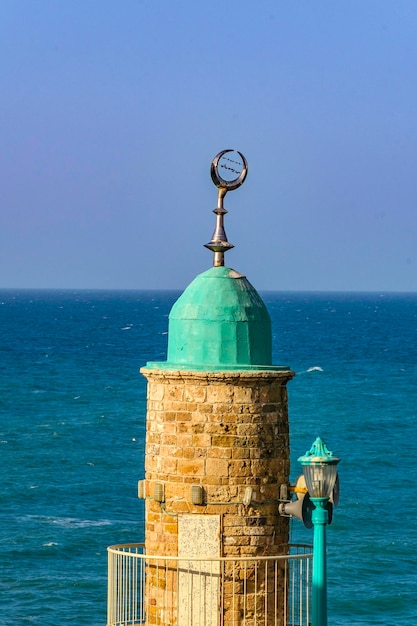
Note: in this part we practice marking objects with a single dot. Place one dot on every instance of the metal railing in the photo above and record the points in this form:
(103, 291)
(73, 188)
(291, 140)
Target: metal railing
(228, 591)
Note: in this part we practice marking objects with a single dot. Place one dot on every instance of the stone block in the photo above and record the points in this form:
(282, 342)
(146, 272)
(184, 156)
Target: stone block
(239, 468)
(269, 492)
(261, 467)
(199, 416)
(246, 442)
(185, 440)
(184, 431)
(175, 478)
(262, 453)
(174, 392)
(219, 453)
(170, 416)
(182, 416)
(202, 440)
(235, 531)
(188, 453)
(152, 515)
(222, 493)
(236, 541)
(222, 408)
(216, 418)
(223, 440)
(192, 467)
(189, 480)
(281, 428)
(155, 426)
(171, 528)
(232, 520)
(153, 448)
(168, 439)
(158, 406)
(205, 408)
(176, 451)
(245, 395)
(219, 394)
(191, 407)
(179, 506)
(153, 438)
(240, 480)
(231, 617)
(233, 587)
(173, 405)
(156, 391)
(169, 465)
(264, 432)
(197, 428)
(271, 393)
(217, 467)
(195, 393)
(170, 428)
(152, 462)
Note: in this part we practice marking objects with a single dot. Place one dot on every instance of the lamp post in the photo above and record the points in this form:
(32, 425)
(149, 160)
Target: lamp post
(320, 473)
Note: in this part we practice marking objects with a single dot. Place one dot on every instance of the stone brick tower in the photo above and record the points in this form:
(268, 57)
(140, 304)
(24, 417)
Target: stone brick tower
(217, 441)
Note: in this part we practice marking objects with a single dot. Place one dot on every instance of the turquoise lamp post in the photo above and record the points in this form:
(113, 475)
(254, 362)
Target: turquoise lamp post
(320, 473)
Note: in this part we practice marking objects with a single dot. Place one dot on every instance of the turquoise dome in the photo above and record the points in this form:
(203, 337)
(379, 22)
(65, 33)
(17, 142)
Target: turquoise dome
(219, 322)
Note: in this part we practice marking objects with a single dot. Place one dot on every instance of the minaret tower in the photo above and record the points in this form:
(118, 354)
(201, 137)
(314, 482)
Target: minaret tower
(217, 442)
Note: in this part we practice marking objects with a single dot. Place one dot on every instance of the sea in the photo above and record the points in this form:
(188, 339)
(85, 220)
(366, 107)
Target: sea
(72, 431)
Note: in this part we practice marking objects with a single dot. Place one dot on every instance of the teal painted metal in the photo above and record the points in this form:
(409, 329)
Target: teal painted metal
(318, 454)
(183, 367)
(320, 469)
(320, 473)
(219, 323)
(319, 596)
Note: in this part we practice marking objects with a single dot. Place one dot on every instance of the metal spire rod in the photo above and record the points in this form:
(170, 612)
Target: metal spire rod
(219, 244)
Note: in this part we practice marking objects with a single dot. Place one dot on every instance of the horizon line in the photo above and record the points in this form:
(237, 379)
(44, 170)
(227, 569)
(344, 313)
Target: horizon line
(181, 289)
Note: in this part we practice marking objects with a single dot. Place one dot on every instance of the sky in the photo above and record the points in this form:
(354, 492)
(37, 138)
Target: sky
(112, 111)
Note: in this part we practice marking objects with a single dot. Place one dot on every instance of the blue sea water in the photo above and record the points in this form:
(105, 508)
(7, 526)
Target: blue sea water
(72, 427)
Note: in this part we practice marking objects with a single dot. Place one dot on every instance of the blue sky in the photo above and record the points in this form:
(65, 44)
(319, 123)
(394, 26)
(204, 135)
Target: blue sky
(111, 112)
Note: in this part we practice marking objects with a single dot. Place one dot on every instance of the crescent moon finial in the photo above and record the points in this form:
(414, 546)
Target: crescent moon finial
(220, 182)
(219, 244)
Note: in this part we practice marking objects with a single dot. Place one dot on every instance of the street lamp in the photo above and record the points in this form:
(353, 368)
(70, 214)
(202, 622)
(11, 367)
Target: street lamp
(320, 473)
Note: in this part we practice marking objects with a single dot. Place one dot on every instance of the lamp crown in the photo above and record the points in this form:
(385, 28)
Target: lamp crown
(318, 454)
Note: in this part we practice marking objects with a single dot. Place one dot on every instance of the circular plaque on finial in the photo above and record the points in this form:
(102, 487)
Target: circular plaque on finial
(233, 167)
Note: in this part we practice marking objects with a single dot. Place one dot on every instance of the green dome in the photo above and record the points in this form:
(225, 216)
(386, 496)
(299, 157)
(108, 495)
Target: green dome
(219, 322)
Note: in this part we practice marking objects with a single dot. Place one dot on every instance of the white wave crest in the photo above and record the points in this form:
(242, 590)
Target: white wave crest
(66, 522)
(71, 522)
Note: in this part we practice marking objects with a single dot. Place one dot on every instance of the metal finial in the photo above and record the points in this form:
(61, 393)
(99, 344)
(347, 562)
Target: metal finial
(318, 454)
(219, 244)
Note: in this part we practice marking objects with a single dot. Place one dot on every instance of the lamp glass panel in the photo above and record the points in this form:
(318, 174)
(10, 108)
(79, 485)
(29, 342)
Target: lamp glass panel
(320, 479)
